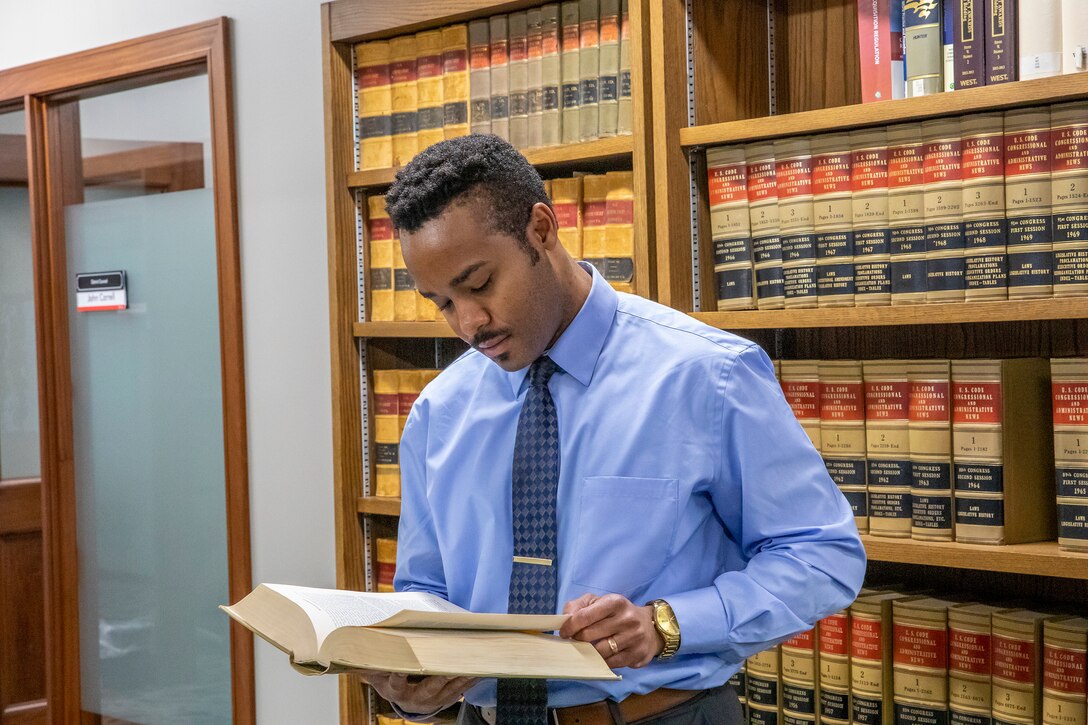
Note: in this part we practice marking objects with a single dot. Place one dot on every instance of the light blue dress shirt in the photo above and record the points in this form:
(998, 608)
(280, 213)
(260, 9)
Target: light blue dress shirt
(683, 476)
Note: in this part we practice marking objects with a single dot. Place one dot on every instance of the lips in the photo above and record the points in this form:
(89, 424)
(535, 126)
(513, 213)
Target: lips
(493, 346)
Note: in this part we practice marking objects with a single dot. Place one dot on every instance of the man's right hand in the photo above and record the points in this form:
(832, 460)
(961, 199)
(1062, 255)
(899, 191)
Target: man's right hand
(420, 696)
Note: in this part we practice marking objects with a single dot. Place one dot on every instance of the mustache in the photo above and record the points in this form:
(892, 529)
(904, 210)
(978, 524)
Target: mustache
(481, 337)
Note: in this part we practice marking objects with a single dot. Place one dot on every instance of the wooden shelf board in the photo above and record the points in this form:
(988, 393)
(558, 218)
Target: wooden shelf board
(926, 314)
(1009, 95)
(1042, 558)
(601, 151)
(380, 505)
(403, 329)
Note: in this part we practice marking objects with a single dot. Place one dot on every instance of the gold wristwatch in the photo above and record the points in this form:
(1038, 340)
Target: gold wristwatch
(666, 625)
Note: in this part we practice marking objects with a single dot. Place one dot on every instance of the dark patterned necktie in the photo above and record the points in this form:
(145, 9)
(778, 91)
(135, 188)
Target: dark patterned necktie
(533, 580)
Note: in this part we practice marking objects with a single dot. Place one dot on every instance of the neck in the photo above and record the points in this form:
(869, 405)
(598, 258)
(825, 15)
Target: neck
(576, 283)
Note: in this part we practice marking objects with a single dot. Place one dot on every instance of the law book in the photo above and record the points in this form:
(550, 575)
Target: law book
(570, 71)
(1002, 477)
(763, 218)
(1069, 391)
(930, 430)
(799, 688)
(801, 387)
(1017, 666)
(1028, 195)
(426, 311)
(1069, 197)
(942, 201)
(499, 59)
(519, 80)
(869, 214)
(534, 72)
(842, 432)
(589, 69)
(566, 198)
(625, 106)
(887, 446)
(833, 663)
(375, 105)
(880, 36)
(833, 220)
(455, 81)
(608, 88)
(619, 232)
(1040, 37)
(764, 685)
(552, 94)
(871, 674)
(738, 681)
(386, 392)
(1074, 36)
(969, 65)
(479, 36)
(922, 46)
(380, 247)
(730, 227)
(404, 289)
(970, 664)
(950, 9)
(984, 228)
(329, 631)
(429, 87)
(793, 171)
(409, 386)
(385, 555)
(1002, 53)
(390, 720)
(920, 659)
(405, 98)
(906, 219)
(1065, 647)
(594, 219)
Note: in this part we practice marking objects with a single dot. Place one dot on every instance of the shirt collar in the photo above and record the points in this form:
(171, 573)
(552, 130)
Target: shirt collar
(578, 348)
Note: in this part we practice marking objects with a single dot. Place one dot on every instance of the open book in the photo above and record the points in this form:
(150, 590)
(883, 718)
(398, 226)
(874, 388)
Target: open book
(330, 631)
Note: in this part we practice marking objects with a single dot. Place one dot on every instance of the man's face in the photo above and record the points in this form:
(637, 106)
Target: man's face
(485, 283)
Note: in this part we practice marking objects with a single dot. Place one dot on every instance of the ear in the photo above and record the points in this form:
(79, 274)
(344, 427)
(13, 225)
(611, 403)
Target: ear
(543, 227)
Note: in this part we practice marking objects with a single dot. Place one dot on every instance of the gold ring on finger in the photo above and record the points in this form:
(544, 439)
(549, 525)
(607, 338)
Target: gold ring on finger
(612, 645)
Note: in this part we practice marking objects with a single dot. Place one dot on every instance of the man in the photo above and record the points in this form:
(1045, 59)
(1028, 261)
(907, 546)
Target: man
(601, 455)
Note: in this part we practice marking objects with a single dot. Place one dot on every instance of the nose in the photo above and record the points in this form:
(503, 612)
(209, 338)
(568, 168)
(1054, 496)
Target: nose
(471, 317)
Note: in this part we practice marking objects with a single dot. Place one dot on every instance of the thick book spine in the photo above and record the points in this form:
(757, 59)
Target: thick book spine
(931, 451)
(763, 215)
(1074, 36)
(455, 81)
(1069, 392)
(730, 228)
(479, 36)
(1002, 53)
(405, 98)
(409, 386)
(386, 557)
(379, 230)
(801, 387)
(764, 687)
(534, 101)
(984, 228)
(943, 210)
(1017, 666)
(500, 75)
(570, 69)
(793, 171)
(948, 40)
(1040, 39)
(887, 446)
(1069, 197)
(842, 433)
(833, 641)
(625, 119)
(906, 220)
(922, 46)
(920, 660)
(1065, 648)
(880, 36)
(1028, 161)
(519, 80)
(567, 204)
(619, 243)
(970, 53)
(551, 89)
(375, 105)
(969, 664)
(404, 289)
(429, 87)
(833, 220)
(871, 676)
(738, 681)
(869, 211)
(799, 693)
(386, 433)
(589, 69)
(608, 83)
(594, 219)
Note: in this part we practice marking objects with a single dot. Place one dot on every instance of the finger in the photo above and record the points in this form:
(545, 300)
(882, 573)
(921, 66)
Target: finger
(581, 602)
(604, 607)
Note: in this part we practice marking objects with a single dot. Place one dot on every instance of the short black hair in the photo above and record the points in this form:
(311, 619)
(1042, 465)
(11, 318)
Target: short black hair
(482, 165)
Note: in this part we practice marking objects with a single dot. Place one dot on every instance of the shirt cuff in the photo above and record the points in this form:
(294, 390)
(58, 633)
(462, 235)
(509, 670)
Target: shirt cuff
(701, 615)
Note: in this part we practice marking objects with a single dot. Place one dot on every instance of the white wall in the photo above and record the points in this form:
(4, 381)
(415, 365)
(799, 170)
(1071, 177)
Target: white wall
(281, 200)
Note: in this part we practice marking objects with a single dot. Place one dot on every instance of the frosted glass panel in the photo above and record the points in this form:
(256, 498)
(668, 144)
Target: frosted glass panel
(150, 485)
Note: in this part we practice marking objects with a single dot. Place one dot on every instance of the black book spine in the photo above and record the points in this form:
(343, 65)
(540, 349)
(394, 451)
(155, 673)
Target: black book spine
(970, 59)
(1002, 47)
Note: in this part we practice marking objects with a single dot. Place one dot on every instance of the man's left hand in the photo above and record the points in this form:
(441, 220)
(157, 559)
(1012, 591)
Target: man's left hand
(622, 632)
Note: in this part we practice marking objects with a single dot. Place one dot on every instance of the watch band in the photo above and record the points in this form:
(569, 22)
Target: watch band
(667, 626)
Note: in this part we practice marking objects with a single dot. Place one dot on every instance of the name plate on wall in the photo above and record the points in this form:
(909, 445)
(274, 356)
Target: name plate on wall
(99, 291)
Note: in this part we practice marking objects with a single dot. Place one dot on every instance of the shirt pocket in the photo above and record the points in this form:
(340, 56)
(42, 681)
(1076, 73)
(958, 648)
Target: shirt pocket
(625, 530)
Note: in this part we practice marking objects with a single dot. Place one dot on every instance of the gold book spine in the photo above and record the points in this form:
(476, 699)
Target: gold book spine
(763, 681)
(386, 433)
(619, 242)
(386, 556)
(942, 202)
(380, 247)
(455, 81)
(834, 668)
(566, 196)
(1069, 197)
(869, 215)
(969, 664)
(1065, 646)
(793, 170)
(920, 660)
(372, 79)
(500, 76)
(405, 98)
(842, 433)
(553, 89)
(906, 213)
(930, 431)
(730, 227)
(519, 80)
(429, 87)
(1017, 666)
(833, 220)
(1028, 196)
(799, 691)
(404, 289)
(570, 87)
(767, 281)
(479, 84)
(608, 84)
(984, 252)
(1070, 423)
(801, 386)
(534, 97)
(594, 219)
(589, 68)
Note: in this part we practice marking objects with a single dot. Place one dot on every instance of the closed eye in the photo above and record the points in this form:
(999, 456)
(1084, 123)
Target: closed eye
(482, 287)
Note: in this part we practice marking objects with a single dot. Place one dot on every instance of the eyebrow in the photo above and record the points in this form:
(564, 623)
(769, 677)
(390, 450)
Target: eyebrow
(458, 280)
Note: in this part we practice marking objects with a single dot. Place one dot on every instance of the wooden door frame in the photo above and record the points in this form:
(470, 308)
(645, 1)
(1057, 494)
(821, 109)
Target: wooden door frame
(187, 51)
